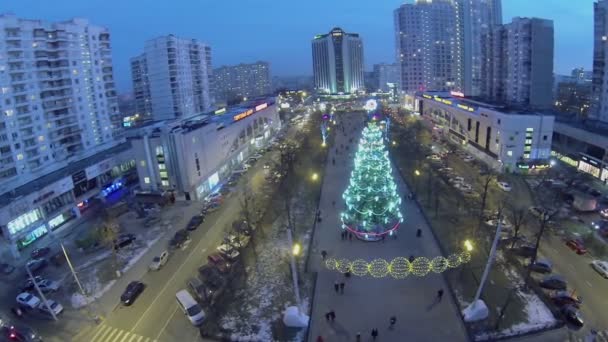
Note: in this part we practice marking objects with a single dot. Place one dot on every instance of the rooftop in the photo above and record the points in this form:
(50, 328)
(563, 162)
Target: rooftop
(475, 102)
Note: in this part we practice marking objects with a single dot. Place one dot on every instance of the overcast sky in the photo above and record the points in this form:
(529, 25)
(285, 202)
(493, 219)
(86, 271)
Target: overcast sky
(279, 31)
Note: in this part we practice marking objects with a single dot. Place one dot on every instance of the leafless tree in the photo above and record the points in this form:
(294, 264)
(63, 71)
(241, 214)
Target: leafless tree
(487, 180)
(251, 217)
(519, 216)
(546, 216)
(108, 232)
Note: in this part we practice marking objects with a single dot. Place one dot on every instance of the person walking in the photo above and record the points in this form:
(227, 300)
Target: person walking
(324, 254)
(336, 286)
(327, 316)
(358, 337)
(350, 236)
(392, 320)
(419, 232)
(332, 315)
(439, 294)
(374, 334)
(342, 287)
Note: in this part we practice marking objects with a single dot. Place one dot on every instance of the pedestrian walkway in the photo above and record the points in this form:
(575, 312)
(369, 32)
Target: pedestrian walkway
(368, 303)
(106, 333)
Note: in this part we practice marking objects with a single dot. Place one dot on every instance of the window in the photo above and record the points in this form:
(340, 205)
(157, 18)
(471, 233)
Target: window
(544, 138)
(526, 155)
(142, 163)
(165, 183)
(147, 180)
(510, 153)
(499, 121)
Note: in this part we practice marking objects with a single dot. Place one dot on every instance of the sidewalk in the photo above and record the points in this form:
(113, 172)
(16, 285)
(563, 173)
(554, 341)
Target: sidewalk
(369, 302)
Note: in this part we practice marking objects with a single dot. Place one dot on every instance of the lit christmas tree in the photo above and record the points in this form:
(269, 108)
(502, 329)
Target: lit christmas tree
(372, 202)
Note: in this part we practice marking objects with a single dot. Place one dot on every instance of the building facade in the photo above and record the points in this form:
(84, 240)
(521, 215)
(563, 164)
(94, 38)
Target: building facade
(171, 79)
(57, 96)
(385, 74)
(337, 59)
(573, 98)
(506, 140)
(193, 156)
(523, 63)
(599, 103)
(236, 82)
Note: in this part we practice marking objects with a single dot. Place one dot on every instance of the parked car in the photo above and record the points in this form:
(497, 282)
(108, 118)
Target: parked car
(604, 213)
(526, 251)
(45, 285)
(18, 333)
(577, 246)
(6, 269)
(563, 298)
(28, 300)
(572, 316)
(40, 252)
(221, 263)
(504, 224)
(199, 290)
(178, 240)
(600, 267)
(266, 166)
(195, 222)
(541, 266)
(238, 241)
(504, 186)
(598, 225)
(554, 282)
(123, 241)
(36, 265)
(228, 252)
(133, 290)
(216, 196)
(159, 261)
(56, 307)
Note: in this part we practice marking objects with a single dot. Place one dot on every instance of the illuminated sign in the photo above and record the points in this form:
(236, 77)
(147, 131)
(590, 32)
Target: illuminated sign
(337, 34)
(457, 93)
(260, 107)
(448, 102)
(470, 109)
(243, 115)
(540, 166)
(427, 96)
(220, 111)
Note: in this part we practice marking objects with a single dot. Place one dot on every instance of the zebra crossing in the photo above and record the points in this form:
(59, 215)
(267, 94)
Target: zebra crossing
(106, 333)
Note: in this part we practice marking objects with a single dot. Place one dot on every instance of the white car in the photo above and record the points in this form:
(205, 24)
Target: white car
(213, 197)
(600, 267)
(28, 300)
(504, 224)
(56, 307)
(47, 285)
(604, 213)
(468, 159)
(240, 241)
(504, 186)
(228, 251)
(159, 261)
(434, 157)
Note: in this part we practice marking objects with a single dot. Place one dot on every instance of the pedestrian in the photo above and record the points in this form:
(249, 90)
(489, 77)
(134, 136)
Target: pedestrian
(342, 287)
(374, 334)
(393, 320)
(440, 294)
(332, 315)
(411, 258)
(336, 286)
(324, 254)
(347, 274)
(327, 316)
(358, 337)
(350, 236)
(319, 338)
(419, 232)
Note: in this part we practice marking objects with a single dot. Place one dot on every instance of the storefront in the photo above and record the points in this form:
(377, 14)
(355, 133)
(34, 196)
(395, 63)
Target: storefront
(590, 165)
(32, 236)
(61, 219)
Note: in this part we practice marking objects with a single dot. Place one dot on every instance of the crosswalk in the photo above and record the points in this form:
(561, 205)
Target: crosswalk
(106, 333)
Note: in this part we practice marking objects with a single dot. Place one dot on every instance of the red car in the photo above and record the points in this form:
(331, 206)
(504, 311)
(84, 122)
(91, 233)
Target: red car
(577, 246)
(219, 262)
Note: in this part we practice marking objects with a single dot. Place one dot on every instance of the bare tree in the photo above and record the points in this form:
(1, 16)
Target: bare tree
(484, 197)
(251, 217)
(108, 231)
(519, 216)
(546, 215)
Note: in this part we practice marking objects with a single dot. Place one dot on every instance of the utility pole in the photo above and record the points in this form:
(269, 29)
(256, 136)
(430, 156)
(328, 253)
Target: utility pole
(82, 292)
(44, 300)
(294, 271)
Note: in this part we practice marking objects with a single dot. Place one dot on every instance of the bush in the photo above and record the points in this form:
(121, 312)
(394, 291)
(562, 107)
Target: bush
(91, 239)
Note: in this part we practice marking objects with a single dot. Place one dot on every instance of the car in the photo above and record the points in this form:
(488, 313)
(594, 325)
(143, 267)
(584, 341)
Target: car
(504, 224)
(6, 269)
(199, 290)
(133, 290)
(434, 157)
(504, 186)
(40, 252)
(600, 267)
(228, 252)
(563, 298)
(28, 300)
(217, 260)
(216, 196)
(56, 307)
(577, 246)
(179, 239)
(238, 241)
(12, 332)
(266, 166)
(195, 222)
(36, 265)
(123, 240)
(572, 316)
(599, 225)
(257, 156)
(45, 285)
(526, 251)
(541, 266)
(554, 282)
(159, 261)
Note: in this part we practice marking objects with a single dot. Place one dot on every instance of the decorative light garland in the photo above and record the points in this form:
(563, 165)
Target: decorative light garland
(398, 268)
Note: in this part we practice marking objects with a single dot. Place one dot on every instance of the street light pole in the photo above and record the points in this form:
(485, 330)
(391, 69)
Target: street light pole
(294, 271)
(82, 292)
(44, 300)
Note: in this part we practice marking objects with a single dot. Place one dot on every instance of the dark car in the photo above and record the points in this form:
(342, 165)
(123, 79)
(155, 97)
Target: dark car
(541, 266)
(562, 299)
(217, 260)
(554, 282)
(29, 284)
(199, 290)
(36, 265)
(16, 333)
(526, 251)
(179, 238)
(123, 240)
(6, 269)
(195, 222)
(573, 316)
(40, 252)
(133, 290)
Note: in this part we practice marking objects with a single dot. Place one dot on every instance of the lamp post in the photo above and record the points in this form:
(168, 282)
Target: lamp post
(294, 271)
(416, 174)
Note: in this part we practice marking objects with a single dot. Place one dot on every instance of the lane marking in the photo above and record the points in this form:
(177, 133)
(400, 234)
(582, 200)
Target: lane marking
(120, 332)
(124, 338)
(135, 337)
(102, 328)
(166, 323)
(109, 338)
(588, 283)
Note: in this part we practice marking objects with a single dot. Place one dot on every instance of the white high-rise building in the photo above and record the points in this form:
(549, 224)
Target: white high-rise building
(337, 59)
(241, 81)
(523, 63)
(171, 78)
(386, 74)
(428, 45)
(57, 96)
(599, 103)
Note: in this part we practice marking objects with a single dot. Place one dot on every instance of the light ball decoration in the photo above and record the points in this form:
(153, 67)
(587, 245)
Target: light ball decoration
(378, 268)
(343, 265)
(421, 266)
(331, 264)
(454, 260)
(400, 268)
(439, 264)
(465, 257)
(359, 267)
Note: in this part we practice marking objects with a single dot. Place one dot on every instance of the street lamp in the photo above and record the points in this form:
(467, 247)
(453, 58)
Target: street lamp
(417, 173)
(296, 249)
(468, 245)
(314, 176)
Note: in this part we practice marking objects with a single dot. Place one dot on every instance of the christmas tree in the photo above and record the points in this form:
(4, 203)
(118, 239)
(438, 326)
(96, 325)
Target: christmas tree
(372, 202)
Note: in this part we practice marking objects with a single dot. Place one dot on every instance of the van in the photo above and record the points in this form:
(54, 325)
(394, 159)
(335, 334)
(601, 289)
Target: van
(190, 307)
